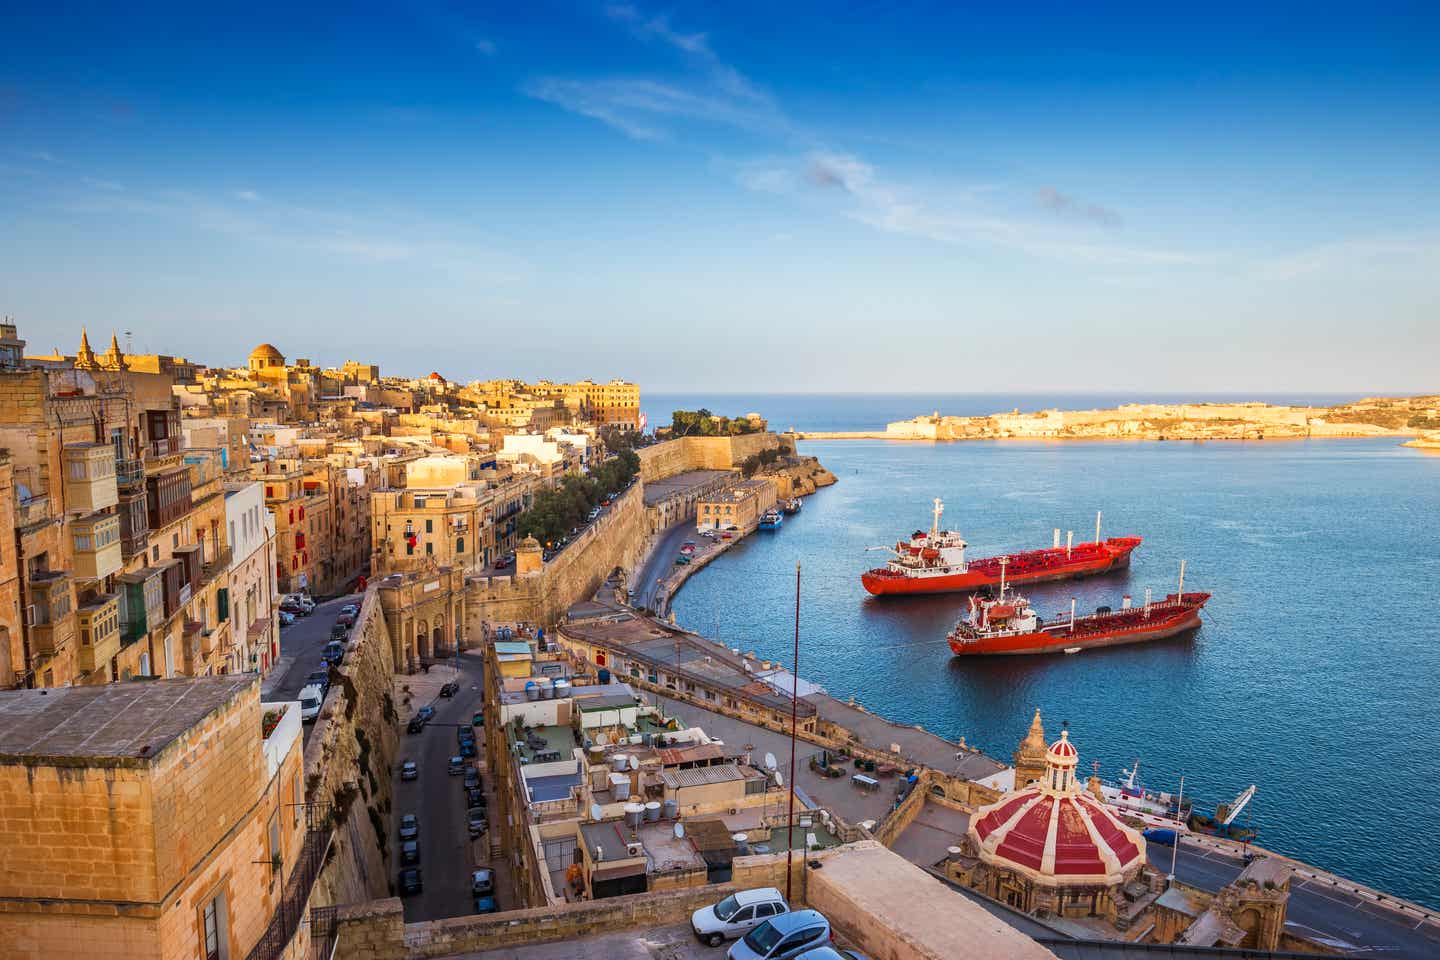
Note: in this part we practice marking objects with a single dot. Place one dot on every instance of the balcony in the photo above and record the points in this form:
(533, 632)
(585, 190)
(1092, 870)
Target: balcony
(99, 623)
(32, 511)
(96, 545)
(129, 472)
(164, 447)
(90, 477)
(218, 563)
(143, 603)
(49, 613)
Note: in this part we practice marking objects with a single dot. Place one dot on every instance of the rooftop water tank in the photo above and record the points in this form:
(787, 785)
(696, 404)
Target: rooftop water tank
(562, 688)
(531, 691)
(547, 689)
(670, 809)
(634, 814)
(620, 786)
(620, 762)
(652, 811)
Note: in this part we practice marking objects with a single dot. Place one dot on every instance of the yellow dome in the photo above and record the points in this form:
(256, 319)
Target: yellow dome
(266, 351)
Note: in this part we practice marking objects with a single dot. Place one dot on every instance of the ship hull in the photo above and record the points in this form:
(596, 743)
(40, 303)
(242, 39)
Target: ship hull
(1046, 565)
(1059, 639)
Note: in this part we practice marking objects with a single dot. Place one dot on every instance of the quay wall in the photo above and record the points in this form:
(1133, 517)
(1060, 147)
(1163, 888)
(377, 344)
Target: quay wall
(352, 749)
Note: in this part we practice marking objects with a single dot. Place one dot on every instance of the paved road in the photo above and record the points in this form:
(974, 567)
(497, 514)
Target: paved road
(446, 857)
(300, 647)
(661, 559)
(1316, 911)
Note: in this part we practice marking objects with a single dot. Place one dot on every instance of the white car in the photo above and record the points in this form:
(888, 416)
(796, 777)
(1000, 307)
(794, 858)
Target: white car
(301, 601)
(312, 698)
(737, 915)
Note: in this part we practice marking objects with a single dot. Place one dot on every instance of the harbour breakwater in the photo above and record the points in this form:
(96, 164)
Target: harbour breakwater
(1371, 417)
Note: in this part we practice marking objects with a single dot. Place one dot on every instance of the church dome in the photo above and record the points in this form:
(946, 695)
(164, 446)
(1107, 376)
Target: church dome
(266, 351)
(1055, 833)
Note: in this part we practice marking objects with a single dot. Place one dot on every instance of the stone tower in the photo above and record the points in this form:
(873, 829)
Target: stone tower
(529, 557)
(84, 357)
(1030, 756)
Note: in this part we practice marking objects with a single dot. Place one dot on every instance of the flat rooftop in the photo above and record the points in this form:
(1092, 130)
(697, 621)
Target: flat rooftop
(132, 721)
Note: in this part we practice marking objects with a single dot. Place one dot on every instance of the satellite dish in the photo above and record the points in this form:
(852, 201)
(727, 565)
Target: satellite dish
(779, 782)
(769, 761)
(679, 830)
(596, 813)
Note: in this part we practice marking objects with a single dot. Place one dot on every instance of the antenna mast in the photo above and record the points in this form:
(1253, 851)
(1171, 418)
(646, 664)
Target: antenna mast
(935, 524)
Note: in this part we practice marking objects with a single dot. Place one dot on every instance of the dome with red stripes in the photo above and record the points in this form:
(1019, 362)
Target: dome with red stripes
(1056, 833)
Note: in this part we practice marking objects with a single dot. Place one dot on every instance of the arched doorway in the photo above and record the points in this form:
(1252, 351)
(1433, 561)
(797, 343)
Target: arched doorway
(422, 641)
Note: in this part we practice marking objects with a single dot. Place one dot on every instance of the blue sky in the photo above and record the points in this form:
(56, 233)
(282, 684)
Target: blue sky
(740, 196)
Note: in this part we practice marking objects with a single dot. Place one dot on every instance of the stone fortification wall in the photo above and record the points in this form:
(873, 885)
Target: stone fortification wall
(799, 477)
(348, 760)
(616, 539)
(662, 460)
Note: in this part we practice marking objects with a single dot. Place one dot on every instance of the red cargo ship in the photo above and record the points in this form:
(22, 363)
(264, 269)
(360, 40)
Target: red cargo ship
(935, 562)
(1010, 626)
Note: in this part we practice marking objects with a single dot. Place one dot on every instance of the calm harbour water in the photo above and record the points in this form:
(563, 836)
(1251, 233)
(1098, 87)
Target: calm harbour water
(1314, 675)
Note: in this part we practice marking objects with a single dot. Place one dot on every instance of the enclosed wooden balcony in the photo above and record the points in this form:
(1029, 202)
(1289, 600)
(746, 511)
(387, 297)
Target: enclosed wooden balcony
(142, 602)
(90, 477)
(95, 542)
(98, 620)
(49, 611)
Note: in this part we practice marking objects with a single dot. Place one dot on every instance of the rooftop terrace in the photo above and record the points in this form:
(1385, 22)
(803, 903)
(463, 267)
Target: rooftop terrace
(116, 722)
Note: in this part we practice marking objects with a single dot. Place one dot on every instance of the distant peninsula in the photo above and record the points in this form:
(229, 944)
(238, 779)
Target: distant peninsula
(1370, 417)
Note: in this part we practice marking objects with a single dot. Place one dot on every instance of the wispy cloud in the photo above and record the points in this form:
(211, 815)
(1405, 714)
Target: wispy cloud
(248, 195)
(1053, 200)
(1367, 253)
(645, 108)
(486, 47)
(108, 185)
(894, 208)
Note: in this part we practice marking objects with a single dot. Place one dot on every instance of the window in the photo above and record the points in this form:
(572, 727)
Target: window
(460, 545)
(409, 548)
(214, 939)
(155, 553)
(429, 525)
(299, 803)
(275, 852)
(429, 548)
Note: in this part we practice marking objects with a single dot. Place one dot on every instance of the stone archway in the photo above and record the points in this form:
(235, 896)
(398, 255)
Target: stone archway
(437, 637)
(422, 641)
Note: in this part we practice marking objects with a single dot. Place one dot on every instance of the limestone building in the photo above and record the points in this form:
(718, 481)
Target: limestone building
(153, 820)
(739, 505)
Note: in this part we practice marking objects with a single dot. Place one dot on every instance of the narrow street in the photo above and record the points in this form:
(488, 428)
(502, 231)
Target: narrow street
(301, 644)
(447, 854)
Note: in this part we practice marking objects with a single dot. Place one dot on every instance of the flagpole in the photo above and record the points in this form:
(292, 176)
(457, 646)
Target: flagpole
(794, 707)
(1175, 849)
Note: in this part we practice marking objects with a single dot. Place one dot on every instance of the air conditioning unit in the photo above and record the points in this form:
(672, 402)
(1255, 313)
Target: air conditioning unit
(635, 849)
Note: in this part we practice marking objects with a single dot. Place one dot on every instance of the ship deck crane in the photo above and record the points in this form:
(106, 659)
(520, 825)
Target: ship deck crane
(1237, 805)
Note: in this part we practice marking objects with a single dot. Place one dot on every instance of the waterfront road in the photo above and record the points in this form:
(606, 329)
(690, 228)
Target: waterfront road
(447, 855)
(1332, 916)
(661, 559)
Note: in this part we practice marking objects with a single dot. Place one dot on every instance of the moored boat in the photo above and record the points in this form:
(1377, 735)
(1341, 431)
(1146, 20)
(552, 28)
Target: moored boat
(793, 505)
(771, 519)
(1009, 625)
(934, 562)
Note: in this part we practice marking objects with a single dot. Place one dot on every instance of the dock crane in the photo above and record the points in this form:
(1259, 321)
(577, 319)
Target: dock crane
(1223, 823)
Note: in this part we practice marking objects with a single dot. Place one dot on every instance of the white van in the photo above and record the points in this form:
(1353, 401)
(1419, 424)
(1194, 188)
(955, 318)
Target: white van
(312, 698)
(737, 915)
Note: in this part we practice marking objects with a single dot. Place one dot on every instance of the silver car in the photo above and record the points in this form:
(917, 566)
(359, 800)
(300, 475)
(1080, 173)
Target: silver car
(737, 915)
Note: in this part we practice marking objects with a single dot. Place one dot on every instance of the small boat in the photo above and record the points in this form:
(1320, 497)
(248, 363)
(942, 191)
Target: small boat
(1072, 649)
(793, 505)
(772, 519)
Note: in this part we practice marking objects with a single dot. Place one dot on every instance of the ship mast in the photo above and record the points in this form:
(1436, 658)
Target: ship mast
(1004, 562)
(935, 525)
(1182, 581)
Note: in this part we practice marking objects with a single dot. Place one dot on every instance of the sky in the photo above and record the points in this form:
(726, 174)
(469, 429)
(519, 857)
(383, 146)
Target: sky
(737, 196)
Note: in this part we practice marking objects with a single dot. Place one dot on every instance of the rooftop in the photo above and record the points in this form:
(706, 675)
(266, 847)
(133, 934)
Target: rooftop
(116, 722)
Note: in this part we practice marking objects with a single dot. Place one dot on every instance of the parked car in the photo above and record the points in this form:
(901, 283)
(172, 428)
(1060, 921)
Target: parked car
(416, 724)
(457, 766)
(783, 937)
(464, 733)
(828, 952)
(350, 610)
(312, 698)
(482, 883)
(286, 619)
(410, 882)
(475, 820)
(306, 604)
(334, 652)
(337, 632)
(410, 852)
(737, 915)
(467, 749)
(479, 718)
(450, 689)
(321, 678)
(294, 609)
(472, 778)
(502, 563)
(474, 797)
(346, 619)
(427, 713)
(485, 905)
(409, 770)
(409, 827)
